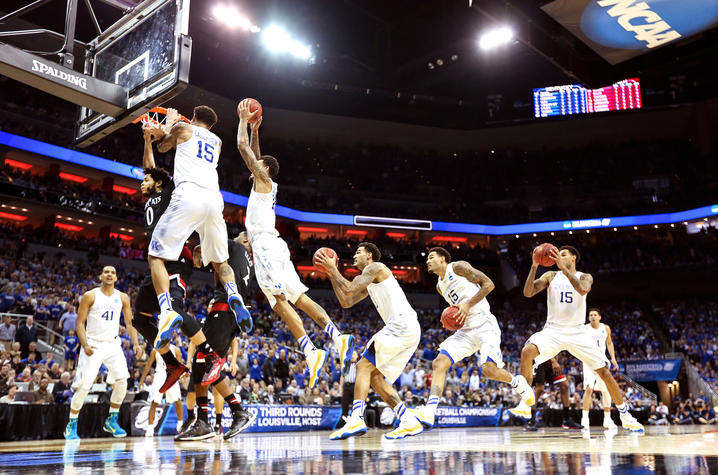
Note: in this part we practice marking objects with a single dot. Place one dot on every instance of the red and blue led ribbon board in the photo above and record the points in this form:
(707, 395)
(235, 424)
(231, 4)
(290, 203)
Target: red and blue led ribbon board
(576, 99)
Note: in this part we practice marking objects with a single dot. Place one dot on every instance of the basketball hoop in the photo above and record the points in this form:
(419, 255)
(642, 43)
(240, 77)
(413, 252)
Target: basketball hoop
(156, 117)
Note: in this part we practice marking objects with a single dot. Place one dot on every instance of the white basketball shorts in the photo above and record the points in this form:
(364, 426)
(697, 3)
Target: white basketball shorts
(274, 269)
(172, 395)
(108, 353)
(485, 338)
(575, 339)
(593, 380)
(394, 345)
(191, 208)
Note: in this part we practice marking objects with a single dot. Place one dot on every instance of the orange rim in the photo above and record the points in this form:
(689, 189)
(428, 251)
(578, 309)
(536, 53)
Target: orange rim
(152, 116)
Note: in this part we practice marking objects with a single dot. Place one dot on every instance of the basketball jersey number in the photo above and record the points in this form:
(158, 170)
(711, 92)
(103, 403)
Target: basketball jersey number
(108, 315)
(149, 216)
(452, 295)
(205, 150)
(566, 297)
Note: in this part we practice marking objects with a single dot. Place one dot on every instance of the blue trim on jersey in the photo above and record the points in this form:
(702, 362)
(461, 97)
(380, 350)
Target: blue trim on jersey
(444, 352)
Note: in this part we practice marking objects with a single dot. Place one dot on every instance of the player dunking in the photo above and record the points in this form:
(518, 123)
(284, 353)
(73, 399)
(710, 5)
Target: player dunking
(566, 307)
(601, 335)
(157, 188)
(462, 285)
(388, 352)
(196, 205)
(275, 272)
(100, 310)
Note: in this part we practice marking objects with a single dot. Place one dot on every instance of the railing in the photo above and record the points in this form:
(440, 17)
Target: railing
(648, 397)
(44, 331)
(696, 382)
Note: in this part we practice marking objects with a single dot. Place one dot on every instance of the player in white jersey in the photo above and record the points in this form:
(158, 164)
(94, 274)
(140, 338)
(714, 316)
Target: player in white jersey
(196, 205)
(565, 330)
(100, 310)
(273, 267)
(466, 287)
(173, 395)
(601, 336)
(388, 352)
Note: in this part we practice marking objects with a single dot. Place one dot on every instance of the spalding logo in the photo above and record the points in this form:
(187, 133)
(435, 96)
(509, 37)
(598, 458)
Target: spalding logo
(633, 24)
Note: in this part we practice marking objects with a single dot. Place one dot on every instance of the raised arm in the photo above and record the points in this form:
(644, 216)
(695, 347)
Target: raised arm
(581, 284)
(254, 142)
(262, 182)
(86, 301)
(148, 157)
(177, 134)
(464, 269)
(350, 293)
(611, 349)
(127, 313)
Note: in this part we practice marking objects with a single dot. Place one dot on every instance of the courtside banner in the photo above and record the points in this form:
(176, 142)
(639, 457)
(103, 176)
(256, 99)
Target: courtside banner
(651, 370)
(286, 418)
(464, 416)
(622, 29)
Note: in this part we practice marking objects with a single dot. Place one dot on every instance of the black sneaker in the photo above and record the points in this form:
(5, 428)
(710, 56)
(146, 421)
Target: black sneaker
(200, 430)
(218, 429)
(241, 419)
(187, 424)
(571, 424)
(531, 426)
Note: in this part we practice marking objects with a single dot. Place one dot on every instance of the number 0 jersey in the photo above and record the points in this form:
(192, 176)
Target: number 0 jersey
(155, 206)
(566, 307)
(457, 289)
(103, 318)
(196, 159)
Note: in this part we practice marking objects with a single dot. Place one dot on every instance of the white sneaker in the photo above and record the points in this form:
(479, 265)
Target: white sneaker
(608, 423)
(179, 426)
(425, 416)
(629, 422)
(522, 410)
(150, 431)
(585, 424)
(353, 427)
(315, 361)
(525, 391)
(409, 425)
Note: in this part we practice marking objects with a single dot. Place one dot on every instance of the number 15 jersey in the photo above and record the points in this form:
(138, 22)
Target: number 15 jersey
(196, 159)
(457, 289)
(566, 307)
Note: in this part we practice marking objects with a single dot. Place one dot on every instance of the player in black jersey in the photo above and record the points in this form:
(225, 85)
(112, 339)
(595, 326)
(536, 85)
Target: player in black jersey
(157, 187)
(221, 329)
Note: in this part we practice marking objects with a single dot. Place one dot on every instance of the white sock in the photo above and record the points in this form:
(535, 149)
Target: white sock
(622, 409)
(432, 404)
(231, 289)
(165, 302)
(334, 334)
(358, 408)
(400, 410)
(514, 381)
(306, 345)
(584, 414)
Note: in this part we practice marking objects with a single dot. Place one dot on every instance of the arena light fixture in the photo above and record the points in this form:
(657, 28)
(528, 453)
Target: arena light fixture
(73, 178)
(450, 238)
(355, 232)
(12, 216)
(278, 40)
(68, 227)
(123, 237)
(495, 38)
(17, 164)
(308, 229)
(232, 18)
(124, 190)
(306, 268)
(396, 235)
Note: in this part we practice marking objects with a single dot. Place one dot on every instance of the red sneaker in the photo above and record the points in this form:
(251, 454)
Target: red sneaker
(213, 368)
(174, 373)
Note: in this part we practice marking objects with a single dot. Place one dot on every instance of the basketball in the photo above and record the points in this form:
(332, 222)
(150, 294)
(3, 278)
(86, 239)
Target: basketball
(327, 252)
(254, 105)
(448, 318)
(543, 251)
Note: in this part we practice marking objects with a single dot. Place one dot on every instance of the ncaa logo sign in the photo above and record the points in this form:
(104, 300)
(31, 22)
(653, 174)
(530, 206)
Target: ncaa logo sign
(643, 25)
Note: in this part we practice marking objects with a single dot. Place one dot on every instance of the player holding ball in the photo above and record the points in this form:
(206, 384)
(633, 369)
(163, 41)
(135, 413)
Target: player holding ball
(477, 330)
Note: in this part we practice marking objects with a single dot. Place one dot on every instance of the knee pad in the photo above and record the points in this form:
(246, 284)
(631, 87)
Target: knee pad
(118, 392)
(78, 399)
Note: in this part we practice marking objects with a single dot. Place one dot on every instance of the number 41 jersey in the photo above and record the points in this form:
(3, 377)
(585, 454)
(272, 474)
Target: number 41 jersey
(457, 289)
(103, 318)
(196, 159)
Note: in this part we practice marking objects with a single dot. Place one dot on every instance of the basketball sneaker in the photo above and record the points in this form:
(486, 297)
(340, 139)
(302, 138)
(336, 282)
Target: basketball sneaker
(523, 410)
(608, 423)
(218, 429)
(629, 422)
(187, 424)
(315, 361)
(174, 372)
(150, 431)
(71, 430)
(409, 425)
(355, 426)
(200, 430)
(525, 391)
(424, 415)
(113, 427)
(168, 323)
(213, 367)
(345, 355)
(241, 419)
(570, 424)
(244, 318)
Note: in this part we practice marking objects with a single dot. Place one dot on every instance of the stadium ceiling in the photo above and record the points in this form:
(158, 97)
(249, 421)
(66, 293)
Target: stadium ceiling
(408, 61)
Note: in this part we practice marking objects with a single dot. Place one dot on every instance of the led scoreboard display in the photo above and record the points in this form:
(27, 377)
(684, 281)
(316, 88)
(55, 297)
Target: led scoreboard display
(575, 99)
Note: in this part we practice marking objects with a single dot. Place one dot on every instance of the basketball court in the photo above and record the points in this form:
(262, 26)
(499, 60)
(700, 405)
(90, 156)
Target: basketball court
(674, 449)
